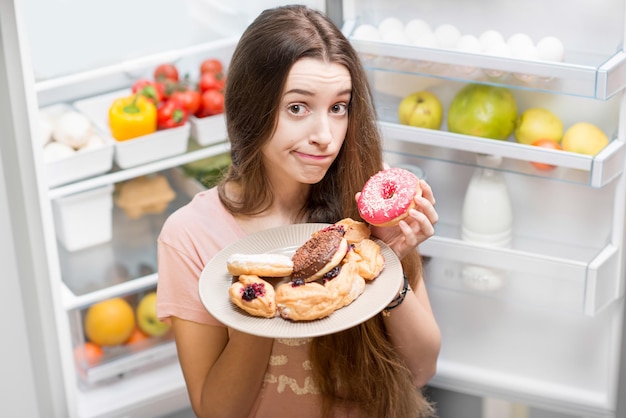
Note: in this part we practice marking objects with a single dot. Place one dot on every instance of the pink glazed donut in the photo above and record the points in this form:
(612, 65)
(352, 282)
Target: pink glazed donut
(387, 196)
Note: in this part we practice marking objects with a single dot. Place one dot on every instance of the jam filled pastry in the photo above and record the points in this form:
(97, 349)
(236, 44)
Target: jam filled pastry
(254, 295)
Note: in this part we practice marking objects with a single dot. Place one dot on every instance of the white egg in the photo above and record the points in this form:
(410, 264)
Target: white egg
(498, 49)
(390, 24)
(366, 32)
(447, 35)
(395, 36)
(416, 28)
(54, 151)
(426, 40)
(526, 52)
(550, 48)
(519, 41)
(469, 43)
(489, 37)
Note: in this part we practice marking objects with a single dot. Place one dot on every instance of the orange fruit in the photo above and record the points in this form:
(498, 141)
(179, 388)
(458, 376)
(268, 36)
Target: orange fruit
(110, 322)
(136, 336)
(545, 143)
(88, 354)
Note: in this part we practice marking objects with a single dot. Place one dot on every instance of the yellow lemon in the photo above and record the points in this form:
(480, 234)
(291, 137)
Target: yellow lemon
(584, 138)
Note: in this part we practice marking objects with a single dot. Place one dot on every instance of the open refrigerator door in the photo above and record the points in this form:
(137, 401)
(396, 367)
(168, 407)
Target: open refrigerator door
(525, 271)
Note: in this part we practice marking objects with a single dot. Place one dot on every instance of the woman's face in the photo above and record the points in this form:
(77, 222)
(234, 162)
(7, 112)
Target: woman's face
(312, 122)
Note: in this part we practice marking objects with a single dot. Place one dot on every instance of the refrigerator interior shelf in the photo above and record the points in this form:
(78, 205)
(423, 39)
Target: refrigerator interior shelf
(122, 75)
(479, 381)
(595, 171)
(118, 367)
(534, 273)
(593, 77)
(128, 262)
(117, 176)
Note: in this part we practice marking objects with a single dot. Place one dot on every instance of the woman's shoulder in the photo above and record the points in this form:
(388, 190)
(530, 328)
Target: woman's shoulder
(203, 217)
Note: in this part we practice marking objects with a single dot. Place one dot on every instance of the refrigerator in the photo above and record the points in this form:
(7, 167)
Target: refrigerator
(532, 327)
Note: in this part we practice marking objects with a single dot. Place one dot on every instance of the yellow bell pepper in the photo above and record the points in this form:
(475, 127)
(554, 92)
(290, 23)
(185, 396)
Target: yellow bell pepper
(132, 116)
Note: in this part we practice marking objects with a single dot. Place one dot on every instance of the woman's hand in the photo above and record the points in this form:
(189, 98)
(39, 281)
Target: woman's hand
(415, 228)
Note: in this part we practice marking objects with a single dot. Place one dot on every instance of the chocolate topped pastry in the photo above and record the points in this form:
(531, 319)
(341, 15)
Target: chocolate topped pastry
(323, 251)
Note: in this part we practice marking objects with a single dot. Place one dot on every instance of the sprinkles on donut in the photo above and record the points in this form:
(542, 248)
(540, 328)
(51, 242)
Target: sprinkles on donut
(388, 196)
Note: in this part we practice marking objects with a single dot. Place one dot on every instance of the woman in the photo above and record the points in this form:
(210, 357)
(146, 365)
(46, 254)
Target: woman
(304, 140)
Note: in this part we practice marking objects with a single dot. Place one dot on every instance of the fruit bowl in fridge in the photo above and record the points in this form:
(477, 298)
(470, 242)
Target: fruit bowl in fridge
(142, 149)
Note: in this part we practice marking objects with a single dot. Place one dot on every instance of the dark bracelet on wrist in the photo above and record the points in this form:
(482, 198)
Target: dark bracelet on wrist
(397, 301)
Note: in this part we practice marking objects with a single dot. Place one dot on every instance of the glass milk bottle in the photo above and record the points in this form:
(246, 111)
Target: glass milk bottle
(487, 219)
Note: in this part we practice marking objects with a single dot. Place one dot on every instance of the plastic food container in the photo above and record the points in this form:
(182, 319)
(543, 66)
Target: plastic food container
(83, 163)
(208, 130)
(84, 219)
(143, 149)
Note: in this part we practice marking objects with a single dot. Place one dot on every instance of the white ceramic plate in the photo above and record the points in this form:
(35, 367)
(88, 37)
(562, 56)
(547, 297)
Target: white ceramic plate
(215, 282)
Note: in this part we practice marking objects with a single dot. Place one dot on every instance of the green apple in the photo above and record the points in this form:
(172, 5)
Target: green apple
(484, 111)
(584, 138)
(538, 123)
(421, 109)
(147, 316)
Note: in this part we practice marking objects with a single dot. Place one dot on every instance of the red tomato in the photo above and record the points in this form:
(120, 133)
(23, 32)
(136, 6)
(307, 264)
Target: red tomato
(211, 65)
(88, 354)
(189, 99)
(166, 72)
(212, 103)
(211, 81)
(545, 143)
(171, 114)
(150, 89)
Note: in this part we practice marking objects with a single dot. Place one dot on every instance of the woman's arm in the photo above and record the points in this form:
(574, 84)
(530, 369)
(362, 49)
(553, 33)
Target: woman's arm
(415, 334)
(223, 374)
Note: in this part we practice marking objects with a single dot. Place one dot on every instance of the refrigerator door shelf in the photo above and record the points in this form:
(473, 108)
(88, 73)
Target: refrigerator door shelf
(595, 171)
(561, 398)
(585, 282)
(600, 81)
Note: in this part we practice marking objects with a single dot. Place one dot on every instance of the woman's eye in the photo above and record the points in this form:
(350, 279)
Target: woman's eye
(339, 108)
(297, 109)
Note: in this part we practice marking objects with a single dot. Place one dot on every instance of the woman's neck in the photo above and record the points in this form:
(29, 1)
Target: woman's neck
(285, 209)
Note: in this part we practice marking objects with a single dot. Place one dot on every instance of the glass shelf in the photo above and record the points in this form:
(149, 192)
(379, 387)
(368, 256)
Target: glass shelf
(595, 171)
(596, 77)
(127, 263)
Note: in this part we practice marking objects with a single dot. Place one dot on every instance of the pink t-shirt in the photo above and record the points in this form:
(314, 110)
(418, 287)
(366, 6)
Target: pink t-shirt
(189, 239)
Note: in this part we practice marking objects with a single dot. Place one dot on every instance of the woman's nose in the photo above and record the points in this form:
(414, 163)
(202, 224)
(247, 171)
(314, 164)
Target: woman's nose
(321, 132)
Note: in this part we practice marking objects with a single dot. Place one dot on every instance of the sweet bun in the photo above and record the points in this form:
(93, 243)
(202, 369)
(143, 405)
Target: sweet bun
(263, 265)
(305, 302)
(346, 286)
(254, 295)
(368, 258)
(354, 231)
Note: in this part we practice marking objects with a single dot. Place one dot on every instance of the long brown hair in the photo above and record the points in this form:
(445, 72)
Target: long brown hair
(357, 368)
